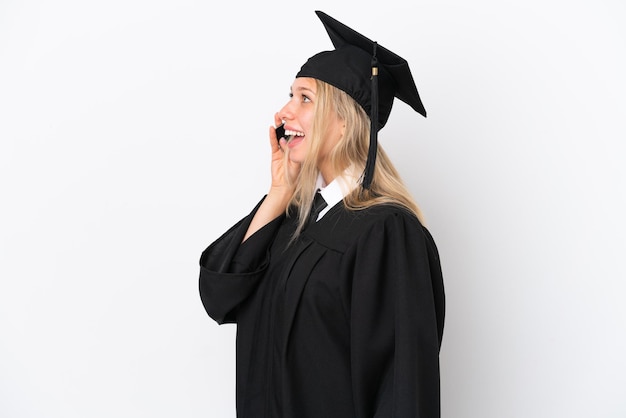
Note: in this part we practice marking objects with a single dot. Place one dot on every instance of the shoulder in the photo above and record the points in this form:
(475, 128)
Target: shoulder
(389, 222)
(342, 228)
(386, 212)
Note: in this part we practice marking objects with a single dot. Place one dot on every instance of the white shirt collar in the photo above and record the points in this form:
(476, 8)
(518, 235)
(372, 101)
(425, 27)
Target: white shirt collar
(337, 189)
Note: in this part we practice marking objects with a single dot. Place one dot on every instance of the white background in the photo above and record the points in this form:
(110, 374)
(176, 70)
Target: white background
(133, 133)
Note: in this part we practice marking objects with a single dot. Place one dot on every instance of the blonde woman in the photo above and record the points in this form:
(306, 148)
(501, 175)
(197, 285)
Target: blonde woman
(333, 281)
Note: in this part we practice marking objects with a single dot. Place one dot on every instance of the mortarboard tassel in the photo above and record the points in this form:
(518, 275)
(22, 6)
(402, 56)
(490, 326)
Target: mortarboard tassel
(373, 148)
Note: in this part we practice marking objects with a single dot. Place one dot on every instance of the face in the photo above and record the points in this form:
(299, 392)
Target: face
(298, 116)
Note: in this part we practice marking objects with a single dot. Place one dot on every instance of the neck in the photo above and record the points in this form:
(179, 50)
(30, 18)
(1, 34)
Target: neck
(327, 172)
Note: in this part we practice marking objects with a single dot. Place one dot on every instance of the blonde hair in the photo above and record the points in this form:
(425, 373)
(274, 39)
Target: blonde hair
(351, 151)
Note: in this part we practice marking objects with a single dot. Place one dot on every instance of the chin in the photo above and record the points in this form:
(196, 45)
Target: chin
(296, 157)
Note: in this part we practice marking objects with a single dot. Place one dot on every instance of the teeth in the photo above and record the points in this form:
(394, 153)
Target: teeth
(293, 133)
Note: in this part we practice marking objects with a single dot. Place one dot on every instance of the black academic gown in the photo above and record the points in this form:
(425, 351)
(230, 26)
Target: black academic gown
(345, 322)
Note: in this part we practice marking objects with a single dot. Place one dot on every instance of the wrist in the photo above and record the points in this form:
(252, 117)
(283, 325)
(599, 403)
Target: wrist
(280, 195)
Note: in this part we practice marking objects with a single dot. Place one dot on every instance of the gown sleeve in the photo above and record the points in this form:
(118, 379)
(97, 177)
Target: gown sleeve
(397, 312)
(230, 270)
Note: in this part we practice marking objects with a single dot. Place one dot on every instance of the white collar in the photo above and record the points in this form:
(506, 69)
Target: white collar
(337, 189)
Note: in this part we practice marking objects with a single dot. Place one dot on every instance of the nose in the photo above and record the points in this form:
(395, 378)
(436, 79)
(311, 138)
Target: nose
(286, 113)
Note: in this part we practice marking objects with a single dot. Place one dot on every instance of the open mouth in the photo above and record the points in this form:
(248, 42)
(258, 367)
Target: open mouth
(289, 134)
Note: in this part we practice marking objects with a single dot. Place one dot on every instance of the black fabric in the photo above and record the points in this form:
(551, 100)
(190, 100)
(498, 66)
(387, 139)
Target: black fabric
(344, 322)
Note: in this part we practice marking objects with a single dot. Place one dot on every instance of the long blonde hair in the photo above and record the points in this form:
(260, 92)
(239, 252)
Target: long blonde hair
(351, 151)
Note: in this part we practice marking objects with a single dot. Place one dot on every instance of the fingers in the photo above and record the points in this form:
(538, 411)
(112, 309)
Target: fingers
(275, 142)
(277, 119)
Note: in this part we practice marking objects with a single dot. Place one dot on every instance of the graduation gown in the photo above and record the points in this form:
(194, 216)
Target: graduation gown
(344, 322)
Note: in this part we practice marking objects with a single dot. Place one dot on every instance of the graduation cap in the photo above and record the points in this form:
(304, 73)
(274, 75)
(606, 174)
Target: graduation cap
(369, 73)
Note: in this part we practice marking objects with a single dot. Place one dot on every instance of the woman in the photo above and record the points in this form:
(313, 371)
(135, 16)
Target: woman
(340, 311)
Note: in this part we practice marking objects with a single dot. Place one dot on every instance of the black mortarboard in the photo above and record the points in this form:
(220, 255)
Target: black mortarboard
(369, 73)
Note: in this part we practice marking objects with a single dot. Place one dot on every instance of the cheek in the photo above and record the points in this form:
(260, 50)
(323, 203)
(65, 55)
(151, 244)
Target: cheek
(328, 146)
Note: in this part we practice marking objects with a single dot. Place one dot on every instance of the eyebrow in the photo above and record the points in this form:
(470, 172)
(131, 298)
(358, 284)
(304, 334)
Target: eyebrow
(301, 89)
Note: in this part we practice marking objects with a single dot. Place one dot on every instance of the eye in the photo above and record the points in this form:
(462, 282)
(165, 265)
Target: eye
(306, 98)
